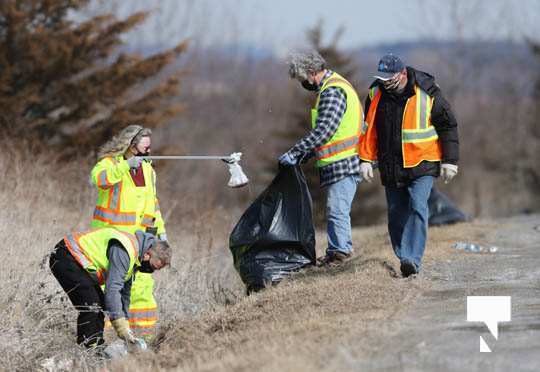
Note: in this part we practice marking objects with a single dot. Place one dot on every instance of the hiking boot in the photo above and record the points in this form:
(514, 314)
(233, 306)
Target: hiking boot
(334, 259)
(408, 268)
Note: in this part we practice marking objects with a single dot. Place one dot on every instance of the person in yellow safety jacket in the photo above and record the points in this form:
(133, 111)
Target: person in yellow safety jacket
(82, 262)
(333, 140)
(127, 200)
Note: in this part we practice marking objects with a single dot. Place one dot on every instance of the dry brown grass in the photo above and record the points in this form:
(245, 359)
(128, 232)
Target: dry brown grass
(207, 323)
(309, 322)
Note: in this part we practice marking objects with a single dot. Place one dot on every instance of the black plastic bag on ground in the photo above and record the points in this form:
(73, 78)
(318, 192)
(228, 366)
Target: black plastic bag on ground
(442, 211)
(275, 236)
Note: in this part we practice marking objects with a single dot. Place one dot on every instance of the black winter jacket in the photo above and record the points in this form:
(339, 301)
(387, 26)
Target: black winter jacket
(388, 120)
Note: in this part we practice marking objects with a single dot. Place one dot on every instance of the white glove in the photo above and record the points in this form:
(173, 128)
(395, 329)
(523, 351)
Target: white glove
(134, 162)
(366, 170)
(163, 237)
(448, 171)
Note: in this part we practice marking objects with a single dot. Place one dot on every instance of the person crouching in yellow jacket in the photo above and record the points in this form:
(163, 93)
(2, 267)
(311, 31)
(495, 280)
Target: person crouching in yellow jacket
(83, 261)
(127, 200)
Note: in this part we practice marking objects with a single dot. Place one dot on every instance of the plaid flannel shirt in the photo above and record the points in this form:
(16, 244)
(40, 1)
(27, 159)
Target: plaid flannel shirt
(332, 106)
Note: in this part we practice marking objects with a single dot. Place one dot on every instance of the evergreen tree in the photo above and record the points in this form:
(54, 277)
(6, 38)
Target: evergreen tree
(68, 84)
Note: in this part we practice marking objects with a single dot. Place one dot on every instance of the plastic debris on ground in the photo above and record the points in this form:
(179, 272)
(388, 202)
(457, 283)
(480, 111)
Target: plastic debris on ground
(116, 349)
(275, 236)
(474, 248)
(442, 211)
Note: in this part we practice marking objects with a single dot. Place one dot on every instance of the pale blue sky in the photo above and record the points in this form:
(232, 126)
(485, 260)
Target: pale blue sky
(281, 24)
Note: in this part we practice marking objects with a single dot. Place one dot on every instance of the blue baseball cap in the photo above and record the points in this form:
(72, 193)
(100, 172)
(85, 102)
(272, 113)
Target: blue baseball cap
(389, 65)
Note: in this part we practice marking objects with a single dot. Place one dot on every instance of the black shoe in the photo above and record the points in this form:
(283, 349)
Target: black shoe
(408, 268)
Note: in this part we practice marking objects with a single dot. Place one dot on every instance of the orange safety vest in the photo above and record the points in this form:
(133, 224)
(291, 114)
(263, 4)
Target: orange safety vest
(419, 139)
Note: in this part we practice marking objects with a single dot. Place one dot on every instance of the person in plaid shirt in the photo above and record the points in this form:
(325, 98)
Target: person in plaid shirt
(333, 140)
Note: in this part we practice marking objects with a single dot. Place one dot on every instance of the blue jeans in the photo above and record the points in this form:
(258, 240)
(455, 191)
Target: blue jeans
(339, 199)
(408, 215)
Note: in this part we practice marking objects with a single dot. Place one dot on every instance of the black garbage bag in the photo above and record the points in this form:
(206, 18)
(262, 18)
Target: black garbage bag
(275, 236)
(442, 211)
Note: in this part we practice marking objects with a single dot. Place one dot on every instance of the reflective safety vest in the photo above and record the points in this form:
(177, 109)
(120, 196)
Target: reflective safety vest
(120, 203)
(344, 143)
(90, 250)
(419, 139)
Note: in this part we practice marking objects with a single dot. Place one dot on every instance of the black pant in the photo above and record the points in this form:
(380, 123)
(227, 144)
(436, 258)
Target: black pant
(84, 293)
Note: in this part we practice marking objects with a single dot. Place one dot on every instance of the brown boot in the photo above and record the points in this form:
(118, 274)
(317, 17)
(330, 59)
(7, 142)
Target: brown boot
(334, 259)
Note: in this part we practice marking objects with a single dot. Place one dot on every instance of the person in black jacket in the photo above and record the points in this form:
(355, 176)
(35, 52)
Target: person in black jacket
(411, 148)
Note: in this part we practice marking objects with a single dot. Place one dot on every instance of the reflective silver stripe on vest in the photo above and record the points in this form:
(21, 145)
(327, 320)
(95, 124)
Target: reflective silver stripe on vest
(115, 196)
(77, 251)
(364, 127)
(148, 221)
(337, 148)
(115, 217)
(423, 98)
(142, 314)
(102, 179)
(416, 136)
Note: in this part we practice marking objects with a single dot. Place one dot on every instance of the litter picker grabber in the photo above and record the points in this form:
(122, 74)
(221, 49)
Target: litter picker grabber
(238, 177)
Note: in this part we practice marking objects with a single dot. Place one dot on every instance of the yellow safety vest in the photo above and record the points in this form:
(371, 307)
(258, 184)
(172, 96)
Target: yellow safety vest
(419, 139)
(120, 203)
(90, 250)
(344, 143)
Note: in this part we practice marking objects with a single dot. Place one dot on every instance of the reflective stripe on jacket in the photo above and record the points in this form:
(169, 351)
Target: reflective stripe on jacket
(120, 203)
(143, 309)
(90, 250)
(344, 143)
(419, 138)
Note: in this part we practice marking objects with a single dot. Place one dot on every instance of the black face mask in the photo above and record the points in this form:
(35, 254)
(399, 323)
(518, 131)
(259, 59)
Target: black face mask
(146, 268)
(310, 86)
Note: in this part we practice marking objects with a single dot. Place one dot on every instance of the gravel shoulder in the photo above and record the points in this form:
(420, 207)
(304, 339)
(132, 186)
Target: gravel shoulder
(434, 334)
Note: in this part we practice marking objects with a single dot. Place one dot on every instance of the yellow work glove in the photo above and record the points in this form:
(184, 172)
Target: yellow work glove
(121, 326)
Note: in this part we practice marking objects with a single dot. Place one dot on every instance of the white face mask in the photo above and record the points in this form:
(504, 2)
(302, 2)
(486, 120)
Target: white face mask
(393, 83)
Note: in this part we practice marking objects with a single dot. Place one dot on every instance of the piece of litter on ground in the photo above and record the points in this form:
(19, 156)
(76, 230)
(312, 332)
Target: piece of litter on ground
(116, 350)
(474, 248)
(54, 364)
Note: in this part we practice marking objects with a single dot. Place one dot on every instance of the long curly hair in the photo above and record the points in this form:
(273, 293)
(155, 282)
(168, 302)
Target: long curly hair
(118, 145)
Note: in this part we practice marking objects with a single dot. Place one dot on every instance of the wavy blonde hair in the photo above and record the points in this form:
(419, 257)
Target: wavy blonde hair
(119, 144)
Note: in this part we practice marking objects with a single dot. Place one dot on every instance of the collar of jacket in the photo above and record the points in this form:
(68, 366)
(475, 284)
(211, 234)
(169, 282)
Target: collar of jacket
(323, 80)
(145, 240)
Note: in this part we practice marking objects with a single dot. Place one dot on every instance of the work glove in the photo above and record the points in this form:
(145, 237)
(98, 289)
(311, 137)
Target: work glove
(366, 170)
(287, 159)
(121, 326)
(134, 162)
(448, 171)
(162, 237)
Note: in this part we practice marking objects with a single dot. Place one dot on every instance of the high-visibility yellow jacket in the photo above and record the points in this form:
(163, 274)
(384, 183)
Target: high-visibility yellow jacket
(120, 203)
(419, 138)
(344, 143)
(90, 250)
